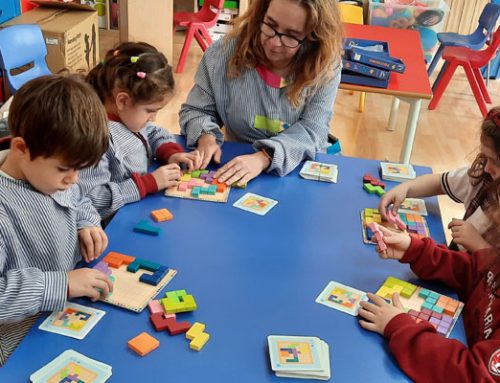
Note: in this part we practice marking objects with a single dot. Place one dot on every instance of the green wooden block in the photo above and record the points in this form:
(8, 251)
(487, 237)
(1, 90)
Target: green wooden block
(204, 171)
(369, 188)
(195, 173)
(133, 267)
(380, 192)
(147, 265)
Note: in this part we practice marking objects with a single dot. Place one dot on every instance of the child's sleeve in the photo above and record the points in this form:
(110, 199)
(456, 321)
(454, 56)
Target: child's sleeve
(27, 291)
(456, 183)
(428, 357)
(87, 215)
(162, 143)
(430, 261)
(199, 115)
(307, 136)
(107, 196)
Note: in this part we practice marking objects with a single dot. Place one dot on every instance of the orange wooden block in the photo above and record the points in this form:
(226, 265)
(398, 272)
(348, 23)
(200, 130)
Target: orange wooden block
(161, 215)
(449, 311)
(143, 343)
(113, 262)
(126, 259)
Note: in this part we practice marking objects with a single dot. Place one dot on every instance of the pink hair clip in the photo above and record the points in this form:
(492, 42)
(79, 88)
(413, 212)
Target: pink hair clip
(141, 74)
(116, 52)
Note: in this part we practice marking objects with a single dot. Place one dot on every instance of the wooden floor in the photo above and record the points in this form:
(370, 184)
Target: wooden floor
(446, 138)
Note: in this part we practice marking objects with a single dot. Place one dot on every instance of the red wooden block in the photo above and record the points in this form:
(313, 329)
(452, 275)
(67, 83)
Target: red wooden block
(175, 328)
(160, 323)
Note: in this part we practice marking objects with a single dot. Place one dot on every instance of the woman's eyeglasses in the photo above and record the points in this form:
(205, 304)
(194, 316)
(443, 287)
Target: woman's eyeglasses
(287, 40)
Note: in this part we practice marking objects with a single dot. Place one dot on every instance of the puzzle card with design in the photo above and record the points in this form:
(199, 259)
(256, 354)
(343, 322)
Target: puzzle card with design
(74, 320)
(341, 297)
(319, 171)
(413, 206)
(397, 172)
(255, 203)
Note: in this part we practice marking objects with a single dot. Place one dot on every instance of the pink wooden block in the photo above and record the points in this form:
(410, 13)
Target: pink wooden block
(155, 307)
(182, 187)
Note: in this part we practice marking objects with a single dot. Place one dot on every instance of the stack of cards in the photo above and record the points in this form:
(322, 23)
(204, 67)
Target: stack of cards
(304, 357)
(255, 203)
(413, 206)
(341, 297)
(74, 321)
(397, 172)
(72, 366)
(319, 171)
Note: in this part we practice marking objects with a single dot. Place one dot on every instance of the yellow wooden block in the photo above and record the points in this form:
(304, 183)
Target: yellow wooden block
(196, 329)
(198, 342)
(185, 177)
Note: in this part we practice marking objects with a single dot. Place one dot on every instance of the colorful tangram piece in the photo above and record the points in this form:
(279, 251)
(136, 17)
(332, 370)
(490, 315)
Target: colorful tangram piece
(178, 301)
(143, 343)
(373, 185)
(162, 215)
(423, 304)
(201, 185)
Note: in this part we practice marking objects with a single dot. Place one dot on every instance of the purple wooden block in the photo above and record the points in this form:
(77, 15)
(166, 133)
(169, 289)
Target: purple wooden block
(203, 176)
(442, 330)
(209, 179)
(447, 319)
(434, 320)
(211, 174)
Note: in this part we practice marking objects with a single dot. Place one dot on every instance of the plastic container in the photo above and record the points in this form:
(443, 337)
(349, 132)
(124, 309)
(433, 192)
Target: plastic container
(428, 17)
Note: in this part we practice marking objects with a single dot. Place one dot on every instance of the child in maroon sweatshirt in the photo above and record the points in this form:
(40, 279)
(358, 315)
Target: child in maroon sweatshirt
(421, 353)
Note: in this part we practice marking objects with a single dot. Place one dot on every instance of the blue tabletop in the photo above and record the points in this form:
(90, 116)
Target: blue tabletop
(252, 276)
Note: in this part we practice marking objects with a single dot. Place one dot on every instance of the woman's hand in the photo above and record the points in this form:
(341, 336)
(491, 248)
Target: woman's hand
(208, 149)
(242, 169)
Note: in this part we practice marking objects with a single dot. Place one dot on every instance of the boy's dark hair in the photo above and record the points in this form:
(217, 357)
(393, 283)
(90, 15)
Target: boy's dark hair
(60, 115)
(136, 68)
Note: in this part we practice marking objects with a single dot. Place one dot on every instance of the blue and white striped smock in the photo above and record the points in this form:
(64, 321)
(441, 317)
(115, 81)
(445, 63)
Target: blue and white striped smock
(38, 246)
(217, 101)
(109, 185)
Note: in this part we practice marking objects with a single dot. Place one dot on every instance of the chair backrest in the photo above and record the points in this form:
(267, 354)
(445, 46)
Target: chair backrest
(350, 13)
(22, 45)
(489, 17)
(210, 11)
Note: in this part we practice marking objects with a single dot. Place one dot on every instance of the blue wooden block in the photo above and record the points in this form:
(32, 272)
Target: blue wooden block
(133, 267)
(147, 265)
(145, 228)
(149, 279)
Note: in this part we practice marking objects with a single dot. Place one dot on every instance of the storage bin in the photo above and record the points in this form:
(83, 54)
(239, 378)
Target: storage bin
(9, 9)
(428, 17)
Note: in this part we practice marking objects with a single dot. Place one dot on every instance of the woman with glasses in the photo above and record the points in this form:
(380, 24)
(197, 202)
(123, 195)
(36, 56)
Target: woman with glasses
(271, 82)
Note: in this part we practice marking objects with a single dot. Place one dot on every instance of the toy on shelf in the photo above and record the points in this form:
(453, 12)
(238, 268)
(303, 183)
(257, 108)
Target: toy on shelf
(135, 281)
(373, 185)
(424, 305)
(200, 185)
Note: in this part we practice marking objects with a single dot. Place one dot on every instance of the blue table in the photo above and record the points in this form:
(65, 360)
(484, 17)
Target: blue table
(252, 276)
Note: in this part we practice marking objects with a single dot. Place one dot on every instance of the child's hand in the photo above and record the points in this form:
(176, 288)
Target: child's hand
(376, 315)
(93, 241)
(208, 148)
(242, 169)
(167, 176)
(85, 282)
(395, 197)
(466, 235)
(397, 244)
(192, 159)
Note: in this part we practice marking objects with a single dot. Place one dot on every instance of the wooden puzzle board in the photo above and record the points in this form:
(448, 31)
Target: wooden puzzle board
(130, 293)
(217, 197)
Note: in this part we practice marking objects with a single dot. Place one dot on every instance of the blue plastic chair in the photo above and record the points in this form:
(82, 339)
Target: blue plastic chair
(474, 41)
(20, 46)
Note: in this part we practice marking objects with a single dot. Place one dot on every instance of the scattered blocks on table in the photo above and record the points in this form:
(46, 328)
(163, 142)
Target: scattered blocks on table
(162, 215)
(373, 185)
(424, 305)
(115, 260)
(197, 336)
(155, 307)
(145, 228)
(196, 329)
(143, 344)
(178, 301)
(162, 322)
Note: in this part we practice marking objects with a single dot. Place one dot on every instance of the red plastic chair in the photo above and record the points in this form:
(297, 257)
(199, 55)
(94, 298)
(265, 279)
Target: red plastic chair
(471, 61)
(198, 25)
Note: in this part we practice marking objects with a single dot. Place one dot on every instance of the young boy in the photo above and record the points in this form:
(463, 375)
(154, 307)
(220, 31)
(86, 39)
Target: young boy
(58, 125)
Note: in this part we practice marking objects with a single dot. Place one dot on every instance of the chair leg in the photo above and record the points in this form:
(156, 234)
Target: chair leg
(440, 75)
(482, 85)
(361, 105)
(476, 90)
(200, 38)
(185, 49)
(439, 87)
(435, 60)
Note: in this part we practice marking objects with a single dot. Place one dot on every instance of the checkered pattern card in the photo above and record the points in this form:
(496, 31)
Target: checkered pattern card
(299, 357)
(341, 297)
(255, 203)
(72, 366)
(74, 321)
(413, 206)
(319, 171)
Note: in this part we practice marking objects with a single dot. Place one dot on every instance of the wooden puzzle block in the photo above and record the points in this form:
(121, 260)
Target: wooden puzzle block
(155, 307)
(162, 215)
(196, 329)
(143, 344)
(178, 301)
(373, 185)
(175, 328)
(198, 342)
(159, 322)
(145, 228)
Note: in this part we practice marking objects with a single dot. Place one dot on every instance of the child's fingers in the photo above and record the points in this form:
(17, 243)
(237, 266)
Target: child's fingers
(396, 302)
(368, 325)
(455, 222)
(368, 306)
(378, 301)
(368, 315)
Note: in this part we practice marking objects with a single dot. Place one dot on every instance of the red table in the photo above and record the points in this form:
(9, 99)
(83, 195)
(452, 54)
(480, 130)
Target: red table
(412, 86)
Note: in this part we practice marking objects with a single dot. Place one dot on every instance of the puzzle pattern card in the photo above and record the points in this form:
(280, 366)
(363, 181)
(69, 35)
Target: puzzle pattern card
(74, 321)
(135, 281)
(397, 172)
(72, 367)
(413, 206)
(200, 185)
(341, 297)
(255, 203)
(415, 224)
(319, 171)
(424, 305)
(299, 357)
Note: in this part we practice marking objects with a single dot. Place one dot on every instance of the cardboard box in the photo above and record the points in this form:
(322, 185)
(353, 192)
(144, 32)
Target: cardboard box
(71, 34)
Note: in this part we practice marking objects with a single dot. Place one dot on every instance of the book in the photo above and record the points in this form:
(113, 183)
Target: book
(319, 171)
(304, 357)
(365, 69)
(377, 59)
(397, 172)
